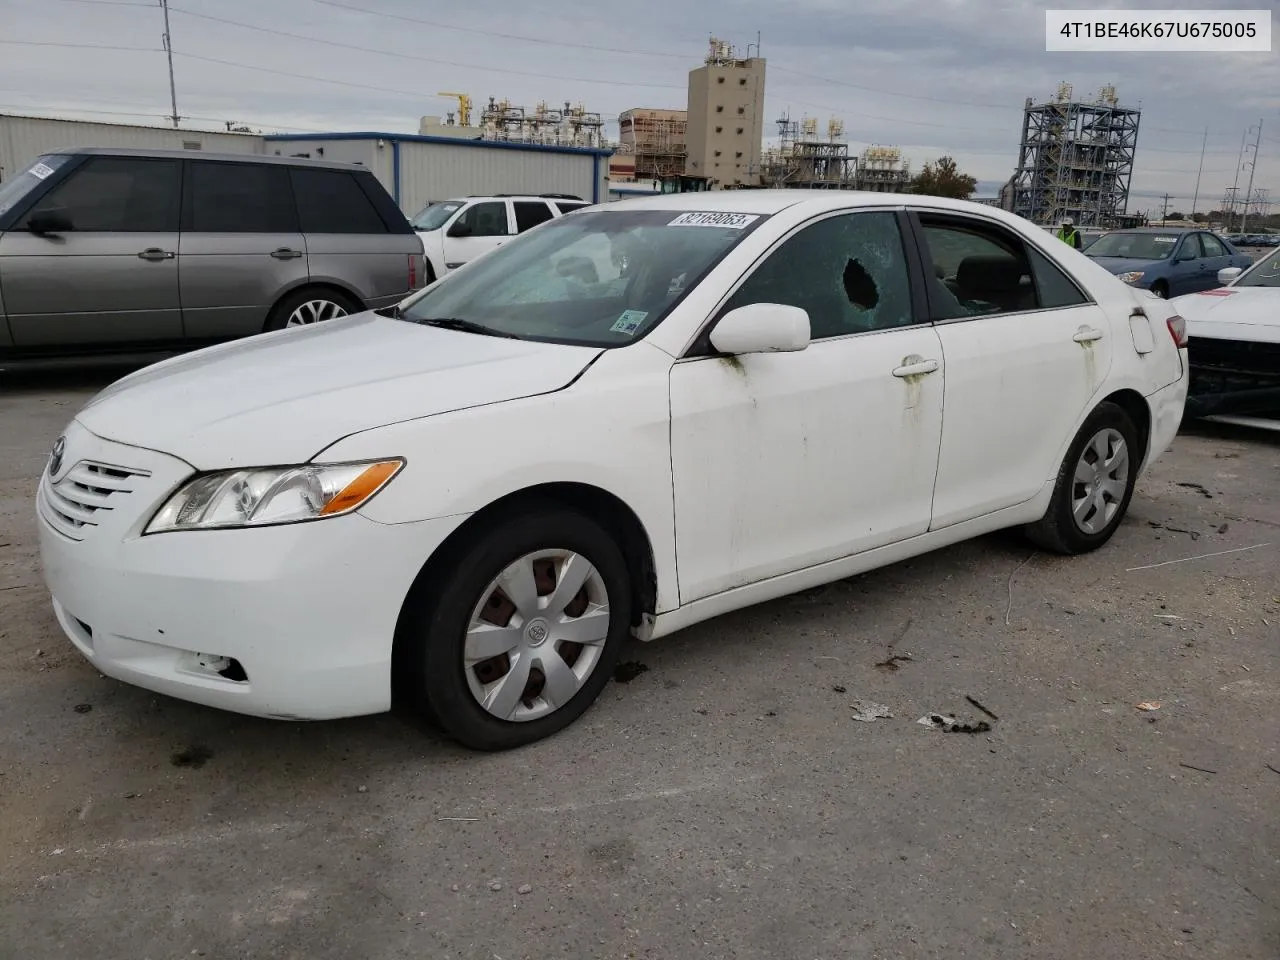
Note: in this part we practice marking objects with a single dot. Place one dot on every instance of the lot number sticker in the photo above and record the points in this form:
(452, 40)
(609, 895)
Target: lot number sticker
(629, 322)
(41, 171)
(734, 221)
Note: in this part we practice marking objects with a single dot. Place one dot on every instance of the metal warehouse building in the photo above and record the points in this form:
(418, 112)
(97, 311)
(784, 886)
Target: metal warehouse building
(417, 169)
(414, 169)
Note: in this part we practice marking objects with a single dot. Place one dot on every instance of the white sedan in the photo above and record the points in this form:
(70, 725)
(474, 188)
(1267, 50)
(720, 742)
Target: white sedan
(1234, 344)
(631, 419)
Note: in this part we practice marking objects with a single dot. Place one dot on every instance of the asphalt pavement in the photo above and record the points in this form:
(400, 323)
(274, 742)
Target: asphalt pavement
(725, 801)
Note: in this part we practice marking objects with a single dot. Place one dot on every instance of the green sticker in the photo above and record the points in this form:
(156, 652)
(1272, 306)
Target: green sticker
(629, 322)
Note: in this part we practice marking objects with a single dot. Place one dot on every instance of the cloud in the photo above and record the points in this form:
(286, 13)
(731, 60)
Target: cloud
(932, 76)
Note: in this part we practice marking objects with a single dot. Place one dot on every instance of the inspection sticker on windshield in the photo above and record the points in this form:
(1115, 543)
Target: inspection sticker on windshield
(1165, 239)
(629, 322)
(40, 171)
(734, 221)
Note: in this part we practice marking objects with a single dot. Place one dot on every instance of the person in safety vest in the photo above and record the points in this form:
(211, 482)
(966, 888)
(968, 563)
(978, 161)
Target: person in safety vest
(1067, 233)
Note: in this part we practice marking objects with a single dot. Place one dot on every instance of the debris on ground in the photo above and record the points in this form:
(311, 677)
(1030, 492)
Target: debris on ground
(840, 689)
(952, 725)
(628, 671)
(195, 755)
(495, 885)
(1193, 767)
(892, 663)
(1199, 488)
(1272, 769)
(83, 707)
(524, 888)
(1149, 705)
(981, 707)
(868, 712)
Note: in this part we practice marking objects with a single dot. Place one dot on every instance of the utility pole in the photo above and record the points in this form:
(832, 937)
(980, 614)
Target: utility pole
(1235, 186)
(168, 49)
(1196, 198)
(1253, 168)
(1164, 210)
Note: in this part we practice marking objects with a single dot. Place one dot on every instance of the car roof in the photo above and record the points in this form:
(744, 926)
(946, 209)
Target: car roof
(202, 155)
(812, 201)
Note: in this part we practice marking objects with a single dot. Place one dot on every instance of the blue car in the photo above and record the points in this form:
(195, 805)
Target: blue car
(1169, 263)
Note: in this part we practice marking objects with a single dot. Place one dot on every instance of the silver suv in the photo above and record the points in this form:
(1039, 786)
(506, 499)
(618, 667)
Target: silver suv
(122, 250)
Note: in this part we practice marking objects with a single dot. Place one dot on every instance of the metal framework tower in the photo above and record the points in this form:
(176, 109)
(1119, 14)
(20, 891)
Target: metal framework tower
(805, 160)
(1076, 159)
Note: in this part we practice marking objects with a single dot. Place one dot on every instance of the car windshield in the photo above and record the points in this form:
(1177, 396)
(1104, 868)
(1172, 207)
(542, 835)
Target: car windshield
(433, 215)
(599, 278)
(14, 189)
(1134, 246)
(1264, 273)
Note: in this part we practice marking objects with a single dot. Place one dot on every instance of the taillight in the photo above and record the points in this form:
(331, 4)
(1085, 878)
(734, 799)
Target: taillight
(413, 271)
(1178, 330)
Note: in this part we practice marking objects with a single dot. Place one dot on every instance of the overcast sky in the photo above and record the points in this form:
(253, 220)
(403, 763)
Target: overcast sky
(931, 76)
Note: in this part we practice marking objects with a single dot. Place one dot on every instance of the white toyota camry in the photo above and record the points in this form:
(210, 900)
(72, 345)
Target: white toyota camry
(625, 421)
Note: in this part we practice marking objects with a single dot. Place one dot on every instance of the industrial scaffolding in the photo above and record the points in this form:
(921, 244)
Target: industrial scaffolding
(655, 141)
(882, 170)
(572, 126)
(1076, 160)
(804, 160)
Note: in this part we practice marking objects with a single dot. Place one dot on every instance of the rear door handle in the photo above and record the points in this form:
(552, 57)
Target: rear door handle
(155, 253)
(1087, 335)
(916, 367)
(285, 253)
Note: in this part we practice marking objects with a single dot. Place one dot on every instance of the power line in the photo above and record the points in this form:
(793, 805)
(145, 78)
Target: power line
(113, 3)
(408, 56)
(404, 18)
(80, 46)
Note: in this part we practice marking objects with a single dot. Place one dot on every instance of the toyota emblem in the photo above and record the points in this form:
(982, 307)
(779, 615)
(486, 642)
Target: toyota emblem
(55, 458)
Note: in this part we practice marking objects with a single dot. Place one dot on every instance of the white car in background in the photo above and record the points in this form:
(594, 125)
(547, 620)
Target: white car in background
(1234, 341)
(455, 232)
(472, 501)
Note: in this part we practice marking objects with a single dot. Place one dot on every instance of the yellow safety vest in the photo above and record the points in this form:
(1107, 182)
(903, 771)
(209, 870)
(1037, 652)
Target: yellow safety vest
(1067, 236)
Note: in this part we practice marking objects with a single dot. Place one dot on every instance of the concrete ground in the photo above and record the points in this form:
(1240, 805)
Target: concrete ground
(724, 803)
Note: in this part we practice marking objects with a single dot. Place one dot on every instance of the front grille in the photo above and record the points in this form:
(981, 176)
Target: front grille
(74, 504)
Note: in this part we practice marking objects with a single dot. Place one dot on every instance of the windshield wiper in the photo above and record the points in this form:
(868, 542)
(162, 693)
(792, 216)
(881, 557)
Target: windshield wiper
(466, 326)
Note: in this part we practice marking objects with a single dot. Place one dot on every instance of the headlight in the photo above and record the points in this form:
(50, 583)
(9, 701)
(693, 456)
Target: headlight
(272, 495)
(1131, 277)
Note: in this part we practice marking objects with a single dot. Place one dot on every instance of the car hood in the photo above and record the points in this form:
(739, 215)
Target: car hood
(1119, 265)
(283, 397)
(1233, 313)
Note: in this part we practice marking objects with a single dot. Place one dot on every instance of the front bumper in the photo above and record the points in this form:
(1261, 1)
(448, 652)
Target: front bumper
(308, 611)
(1234, 377)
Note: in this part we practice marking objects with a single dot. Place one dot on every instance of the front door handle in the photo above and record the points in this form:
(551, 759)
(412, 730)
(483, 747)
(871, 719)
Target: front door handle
(285, 253)
(155, 253)
(1087, 335)
(915, 366)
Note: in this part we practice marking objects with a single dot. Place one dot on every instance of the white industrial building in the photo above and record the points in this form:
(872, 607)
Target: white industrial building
(415, 169)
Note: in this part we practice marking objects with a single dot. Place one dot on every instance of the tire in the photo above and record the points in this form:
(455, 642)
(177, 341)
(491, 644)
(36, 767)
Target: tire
(1160, 289)
(448, 688)
(330, 304)
(1059, 530)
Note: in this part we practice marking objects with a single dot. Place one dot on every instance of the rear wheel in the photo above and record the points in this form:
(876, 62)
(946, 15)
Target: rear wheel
(305, 307)
(1094, 486)
(520, 637)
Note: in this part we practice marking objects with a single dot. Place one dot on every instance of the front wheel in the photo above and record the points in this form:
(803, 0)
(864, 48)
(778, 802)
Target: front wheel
(521, 636)
(1094, 485)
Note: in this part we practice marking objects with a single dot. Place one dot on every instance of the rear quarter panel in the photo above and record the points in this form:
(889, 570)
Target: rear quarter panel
(373, 266)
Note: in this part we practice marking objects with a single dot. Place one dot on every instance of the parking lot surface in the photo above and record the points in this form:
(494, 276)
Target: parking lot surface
(724, 802)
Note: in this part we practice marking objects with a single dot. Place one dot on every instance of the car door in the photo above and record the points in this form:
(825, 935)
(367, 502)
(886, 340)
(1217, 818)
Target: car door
(241, 247)
(1216, 257)
(481, 227)
(349, 242)
(1188, 270)
(94, 263)
(782, 461)
(1026, 351)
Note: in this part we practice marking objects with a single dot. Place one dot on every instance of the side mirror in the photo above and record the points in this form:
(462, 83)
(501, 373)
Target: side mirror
(762, 328)
(460, 229)
(1227, 274)
(49, 220)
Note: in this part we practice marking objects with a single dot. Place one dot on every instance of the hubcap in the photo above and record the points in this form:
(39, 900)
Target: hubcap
(536, 635)
(1102, 476)
(314, 311)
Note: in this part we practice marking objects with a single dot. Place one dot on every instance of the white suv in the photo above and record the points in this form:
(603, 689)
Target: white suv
(457, 231)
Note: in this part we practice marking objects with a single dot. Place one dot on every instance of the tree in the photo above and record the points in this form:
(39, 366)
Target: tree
(1176, 215)
(943, 179)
